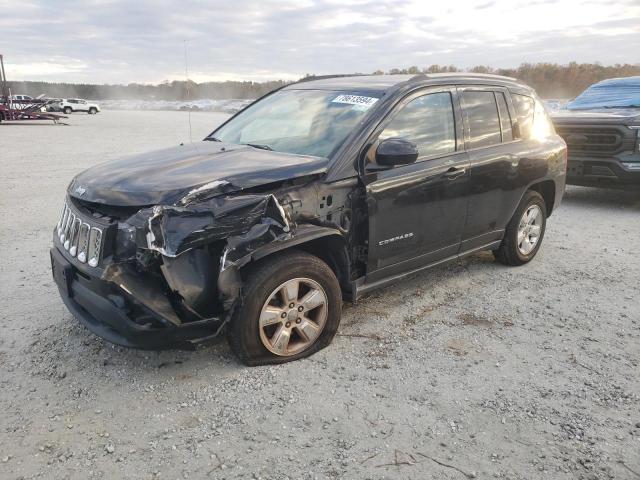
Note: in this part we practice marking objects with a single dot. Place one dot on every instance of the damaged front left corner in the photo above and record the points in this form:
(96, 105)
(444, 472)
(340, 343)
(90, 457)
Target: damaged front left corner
(172, 230)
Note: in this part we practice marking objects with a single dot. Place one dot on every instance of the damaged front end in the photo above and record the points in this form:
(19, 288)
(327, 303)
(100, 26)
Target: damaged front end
(174, 270)
(203, 244)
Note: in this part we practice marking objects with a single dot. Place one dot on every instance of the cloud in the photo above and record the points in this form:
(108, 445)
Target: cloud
(143, 41)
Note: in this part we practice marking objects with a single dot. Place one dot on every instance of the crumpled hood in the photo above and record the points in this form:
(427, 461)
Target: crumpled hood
(626, 116)
(169, 175)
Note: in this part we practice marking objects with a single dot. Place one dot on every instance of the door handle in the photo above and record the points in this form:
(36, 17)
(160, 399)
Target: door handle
(455, 172)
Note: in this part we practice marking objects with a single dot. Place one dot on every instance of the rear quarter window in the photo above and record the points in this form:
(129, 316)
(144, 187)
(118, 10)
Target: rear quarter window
(525, 108)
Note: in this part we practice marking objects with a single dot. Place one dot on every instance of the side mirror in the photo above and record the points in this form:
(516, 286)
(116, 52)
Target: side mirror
(396, 151)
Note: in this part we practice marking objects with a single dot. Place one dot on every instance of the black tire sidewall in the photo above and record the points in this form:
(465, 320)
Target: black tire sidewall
(244, 333)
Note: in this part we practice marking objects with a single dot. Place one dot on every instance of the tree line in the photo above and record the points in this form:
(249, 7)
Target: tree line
(549, 79)
(176, 90)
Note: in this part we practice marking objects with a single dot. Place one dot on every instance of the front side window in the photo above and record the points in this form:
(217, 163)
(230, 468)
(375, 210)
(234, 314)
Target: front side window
(481, 112)
(305, 122)
(427, 121)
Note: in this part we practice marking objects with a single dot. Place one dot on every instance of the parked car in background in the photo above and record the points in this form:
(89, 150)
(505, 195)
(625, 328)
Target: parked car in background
(602, 130)
(25, 101)
(71, 105)
(320, 191)
(21, 98)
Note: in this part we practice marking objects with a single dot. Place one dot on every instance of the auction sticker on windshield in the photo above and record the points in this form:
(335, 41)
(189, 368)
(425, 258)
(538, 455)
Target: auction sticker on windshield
(362, 102)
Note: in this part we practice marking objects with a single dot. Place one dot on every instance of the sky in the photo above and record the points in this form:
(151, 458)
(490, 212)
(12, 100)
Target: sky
(143, 41)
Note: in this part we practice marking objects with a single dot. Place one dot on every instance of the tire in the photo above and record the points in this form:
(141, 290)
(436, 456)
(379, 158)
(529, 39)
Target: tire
(254, 342)
(92, 111)
(67, 110)
(518, 246)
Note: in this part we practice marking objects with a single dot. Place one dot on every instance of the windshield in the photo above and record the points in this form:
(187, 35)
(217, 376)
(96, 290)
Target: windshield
(305, 122)
(613, 93)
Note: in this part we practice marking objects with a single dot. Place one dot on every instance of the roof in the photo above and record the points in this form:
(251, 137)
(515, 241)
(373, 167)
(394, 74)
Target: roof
(611, 93)
(621, 81)
(383, 83)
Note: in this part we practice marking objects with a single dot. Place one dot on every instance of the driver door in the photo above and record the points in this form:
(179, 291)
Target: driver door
(417, 212)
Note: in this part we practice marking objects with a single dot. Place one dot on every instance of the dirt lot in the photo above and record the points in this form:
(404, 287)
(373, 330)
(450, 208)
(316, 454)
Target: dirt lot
(471, 370)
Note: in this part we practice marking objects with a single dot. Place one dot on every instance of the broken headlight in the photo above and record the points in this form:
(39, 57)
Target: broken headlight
(126, 242)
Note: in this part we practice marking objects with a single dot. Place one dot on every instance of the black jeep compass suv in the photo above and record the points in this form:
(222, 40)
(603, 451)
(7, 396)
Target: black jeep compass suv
(317, 192)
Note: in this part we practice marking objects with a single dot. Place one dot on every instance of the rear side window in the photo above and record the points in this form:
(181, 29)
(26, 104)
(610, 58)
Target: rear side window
(505, 118)
(428, 122)
(524, 110)
(483, 121)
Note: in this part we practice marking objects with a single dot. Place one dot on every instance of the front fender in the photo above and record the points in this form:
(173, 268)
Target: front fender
(303, 234)
(229, 279)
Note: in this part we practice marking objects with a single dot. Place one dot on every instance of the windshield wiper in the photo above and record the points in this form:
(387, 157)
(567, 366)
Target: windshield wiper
(261, 147)
(212, 139)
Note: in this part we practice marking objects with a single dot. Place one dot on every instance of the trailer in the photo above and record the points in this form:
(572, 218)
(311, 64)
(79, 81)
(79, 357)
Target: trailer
(12, 111)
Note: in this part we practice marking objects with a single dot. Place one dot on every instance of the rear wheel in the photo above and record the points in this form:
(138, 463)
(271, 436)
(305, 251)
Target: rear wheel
(67, 110)
(525, 231)
(291, 309)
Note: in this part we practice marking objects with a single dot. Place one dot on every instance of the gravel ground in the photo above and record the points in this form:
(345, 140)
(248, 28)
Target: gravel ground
(470, 370)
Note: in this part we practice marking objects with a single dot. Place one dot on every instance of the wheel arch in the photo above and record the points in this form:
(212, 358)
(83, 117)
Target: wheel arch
(326, 243)
(546, 188)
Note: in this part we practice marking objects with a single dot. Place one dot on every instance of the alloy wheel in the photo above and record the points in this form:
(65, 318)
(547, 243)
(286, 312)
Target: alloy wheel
(529, 229)
(293, 317)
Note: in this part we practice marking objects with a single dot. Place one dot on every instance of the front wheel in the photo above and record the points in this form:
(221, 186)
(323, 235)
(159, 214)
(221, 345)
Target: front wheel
(291, 309)
(67, 110)
(525, 231)
(92, 111)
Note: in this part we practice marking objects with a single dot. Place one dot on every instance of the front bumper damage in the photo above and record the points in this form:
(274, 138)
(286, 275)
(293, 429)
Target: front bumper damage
(118, 317)
(173, 275)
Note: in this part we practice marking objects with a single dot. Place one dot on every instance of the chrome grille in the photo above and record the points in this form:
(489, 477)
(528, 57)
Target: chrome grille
(81, 239)
(95, 240)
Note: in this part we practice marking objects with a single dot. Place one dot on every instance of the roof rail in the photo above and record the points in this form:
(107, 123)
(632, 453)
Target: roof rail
(462, 74)
(310, 78)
